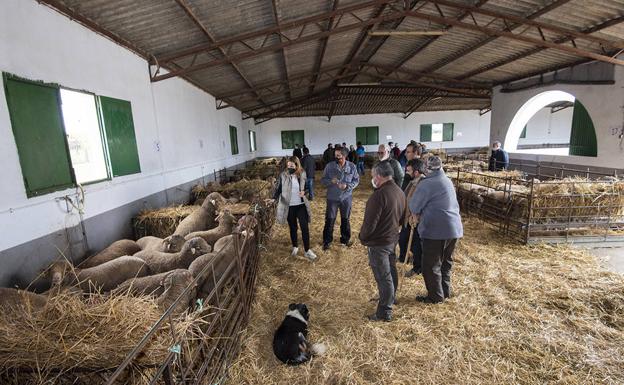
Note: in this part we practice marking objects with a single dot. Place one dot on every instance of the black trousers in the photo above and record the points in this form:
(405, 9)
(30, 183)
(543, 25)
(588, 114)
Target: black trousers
(437, 261)
(300, 213)
(330, 219)
(416, 247)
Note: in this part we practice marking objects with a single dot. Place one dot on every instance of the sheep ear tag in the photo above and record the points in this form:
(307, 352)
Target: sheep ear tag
(193, 250)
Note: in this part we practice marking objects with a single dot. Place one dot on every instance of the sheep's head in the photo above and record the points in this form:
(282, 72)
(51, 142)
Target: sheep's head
(173, 243)
(56, 272)
(215, 196)
(225, 217)
(247, 222)
(196, 246)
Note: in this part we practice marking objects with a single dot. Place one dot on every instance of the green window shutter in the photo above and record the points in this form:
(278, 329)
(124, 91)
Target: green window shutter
(39, 134)
(372, 135)
(234, 140)
(255, 145)
(360, 135)
(523, 133)
(290, 138)
(447, 132)
(583, 135)
(299, 138)
(119, 128)
(425, 132)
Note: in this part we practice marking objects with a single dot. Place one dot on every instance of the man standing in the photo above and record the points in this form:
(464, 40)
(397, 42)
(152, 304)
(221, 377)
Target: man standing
(340, 177)
(499, 160)
(434, 205)
(328, 154)
(297, 152)
(380, 232)
(410, 153)
(396, 151)
(416, 171)
(309, 166)
(383, 153)
(360, 151)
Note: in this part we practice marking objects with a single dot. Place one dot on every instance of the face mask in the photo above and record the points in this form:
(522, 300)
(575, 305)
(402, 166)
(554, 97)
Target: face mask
(373, 183)
(291, 170)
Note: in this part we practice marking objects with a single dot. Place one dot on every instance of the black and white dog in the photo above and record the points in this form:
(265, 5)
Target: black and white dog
(289, 342)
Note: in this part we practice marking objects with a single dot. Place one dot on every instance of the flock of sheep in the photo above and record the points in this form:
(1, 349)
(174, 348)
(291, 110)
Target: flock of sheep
(162, 268)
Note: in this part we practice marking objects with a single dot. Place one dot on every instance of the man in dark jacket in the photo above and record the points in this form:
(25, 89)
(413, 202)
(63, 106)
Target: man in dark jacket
(309, 166)
(297, 152)
(383, 153)
(499, 160)
(340, 177)
(383, 218)
(328, 154)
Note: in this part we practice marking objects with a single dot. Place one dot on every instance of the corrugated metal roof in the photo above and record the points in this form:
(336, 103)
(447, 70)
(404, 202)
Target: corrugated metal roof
(180, 34)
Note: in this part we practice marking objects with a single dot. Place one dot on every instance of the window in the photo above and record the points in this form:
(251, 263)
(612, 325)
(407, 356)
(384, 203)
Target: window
(582, 134)
(60, 137)
(234, 140)
(84, 137)
(290, 138)
(252, 141)
(367, 135)
(437, 132)
(523, 133)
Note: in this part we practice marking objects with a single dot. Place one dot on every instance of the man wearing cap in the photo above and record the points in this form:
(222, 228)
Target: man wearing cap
(435, 208)
(499, 160)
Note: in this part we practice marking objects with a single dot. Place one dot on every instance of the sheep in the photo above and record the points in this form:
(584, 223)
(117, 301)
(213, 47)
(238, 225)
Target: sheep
(115, 250)
(206, 283)
(171, 244)
(199, 220)
(224, 242)
(226, 225)
(12, 299)
(105, 277)
(150, 285)
(246, 223)
(159, 262)
(217, 197)
(174, 283)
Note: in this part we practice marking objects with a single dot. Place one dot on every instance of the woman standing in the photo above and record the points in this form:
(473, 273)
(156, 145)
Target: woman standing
(292, 205)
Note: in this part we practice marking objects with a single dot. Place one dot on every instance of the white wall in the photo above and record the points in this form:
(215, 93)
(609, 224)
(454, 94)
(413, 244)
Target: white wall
(548, 128)
(604, 104)
(170, 117)
(470, 130)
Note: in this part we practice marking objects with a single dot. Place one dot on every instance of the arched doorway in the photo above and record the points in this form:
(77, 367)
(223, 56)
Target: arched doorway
(579, 135)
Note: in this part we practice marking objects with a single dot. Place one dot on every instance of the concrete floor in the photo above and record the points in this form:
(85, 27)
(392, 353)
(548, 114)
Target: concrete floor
(611, 258)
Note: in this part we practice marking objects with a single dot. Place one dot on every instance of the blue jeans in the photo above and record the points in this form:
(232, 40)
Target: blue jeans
(344, 206)
(360, 167)
(310, 187)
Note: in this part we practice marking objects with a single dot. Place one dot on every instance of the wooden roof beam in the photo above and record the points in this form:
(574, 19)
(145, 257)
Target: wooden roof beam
(284, 60)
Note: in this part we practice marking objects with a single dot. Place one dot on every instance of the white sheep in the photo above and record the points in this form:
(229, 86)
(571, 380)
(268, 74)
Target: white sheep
(200, 219)
(105, 277)
(171, 244)
(246, 223)
(115, 250)
(217, 198)
(174, 284)
(226, 225)
(159, 262)
(150, 285)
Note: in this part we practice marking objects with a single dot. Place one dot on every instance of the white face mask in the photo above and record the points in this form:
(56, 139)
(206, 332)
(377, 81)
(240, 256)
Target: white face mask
(373, 183)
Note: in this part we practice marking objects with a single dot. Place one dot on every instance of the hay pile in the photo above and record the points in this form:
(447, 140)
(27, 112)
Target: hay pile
(247, 189)
(72, 334)
(489, 178)
(160, 222)
(520, 314)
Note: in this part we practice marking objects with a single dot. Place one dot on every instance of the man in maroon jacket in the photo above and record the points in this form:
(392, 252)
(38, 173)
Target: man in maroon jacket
(383, 219)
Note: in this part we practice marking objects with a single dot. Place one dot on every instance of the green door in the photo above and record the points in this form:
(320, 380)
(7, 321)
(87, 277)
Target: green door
(120, 137)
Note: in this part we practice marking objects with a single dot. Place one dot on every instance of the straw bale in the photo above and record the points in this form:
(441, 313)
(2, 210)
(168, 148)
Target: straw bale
(519, 314)
(161, 222)
(248, 189)
(73, 335)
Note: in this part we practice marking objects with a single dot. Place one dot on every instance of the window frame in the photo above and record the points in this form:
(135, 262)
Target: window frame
(428, 128)
(366, 130)
(293, 139)
(234, 140)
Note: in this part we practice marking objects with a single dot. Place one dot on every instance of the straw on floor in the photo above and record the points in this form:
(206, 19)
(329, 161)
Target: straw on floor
(519, 314)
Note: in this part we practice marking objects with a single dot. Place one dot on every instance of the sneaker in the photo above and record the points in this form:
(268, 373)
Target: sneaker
(375, 318)
(325, 246)
(349, 243)
(425, 299)
(310, 255)
(295, 251)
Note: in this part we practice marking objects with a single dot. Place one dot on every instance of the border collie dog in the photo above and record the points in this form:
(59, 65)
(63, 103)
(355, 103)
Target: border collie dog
(289, 342)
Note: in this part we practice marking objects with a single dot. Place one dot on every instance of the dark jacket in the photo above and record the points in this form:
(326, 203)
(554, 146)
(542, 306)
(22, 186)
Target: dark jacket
(383, 216)
(499, 160)
(398, 171)
(297, 152)
(328, 156)
(308, 164)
